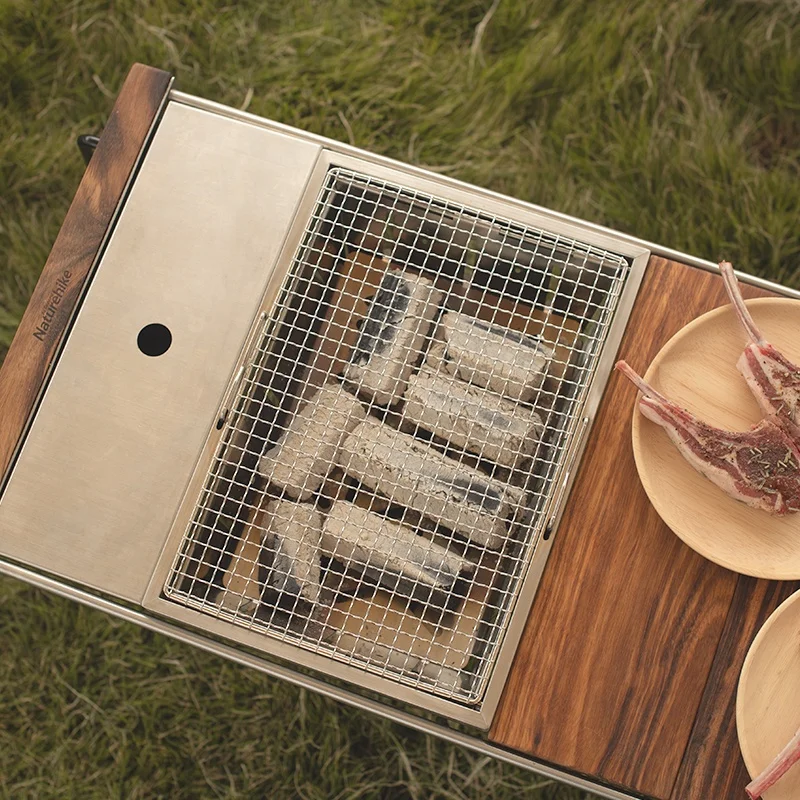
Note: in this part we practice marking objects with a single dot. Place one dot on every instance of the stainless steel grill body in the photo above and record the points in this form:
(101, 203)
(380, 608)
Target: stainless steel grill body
(446, 649)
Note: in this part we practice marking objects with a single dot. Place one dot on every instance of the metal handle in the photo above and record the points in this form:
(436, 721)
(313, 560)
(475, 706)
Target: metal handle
(87, 144)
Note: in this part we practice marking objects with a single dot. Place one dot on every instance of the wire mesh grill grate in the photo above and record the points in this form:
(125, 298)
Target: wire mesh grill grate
(382, 479)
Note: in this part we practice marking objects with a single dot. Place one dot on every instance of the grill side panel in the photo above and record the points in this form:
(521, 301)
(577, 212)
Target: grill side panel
(105, 463)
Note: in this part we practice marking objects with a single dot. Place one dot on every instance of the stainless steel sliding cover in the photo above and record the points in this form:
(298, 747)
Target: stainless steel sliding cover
(100, 476)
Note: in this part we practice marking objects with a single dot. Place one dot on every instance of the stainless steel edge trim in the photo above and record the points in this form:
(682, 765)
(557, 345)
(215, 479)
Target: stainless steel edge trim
(654, 247)
(277, 671)
(167, 96)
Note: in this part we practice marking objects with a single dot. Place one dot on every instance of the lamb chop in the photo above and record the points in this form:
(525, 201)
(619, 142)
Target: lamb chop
(760, 467)
(779, 766)
(772, 378)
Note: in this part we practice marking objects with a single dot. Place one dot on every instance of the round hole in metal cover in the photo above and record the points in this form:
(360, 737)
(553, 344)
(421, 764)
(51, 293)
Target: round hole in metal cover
(154, 339)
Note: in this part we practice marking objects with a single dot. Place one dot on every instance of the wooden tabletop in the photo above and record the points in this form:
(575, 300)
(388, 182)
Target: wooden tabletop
(628, 666)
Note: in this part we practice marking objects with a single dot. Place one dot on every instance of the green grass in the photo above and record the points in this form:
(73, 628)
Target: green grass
(677, 121)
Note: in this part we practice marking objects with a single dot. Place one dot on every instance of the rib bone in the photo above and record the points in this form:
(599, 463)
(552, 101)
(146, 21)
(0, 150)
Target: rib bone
(772, 378)
(760, 467)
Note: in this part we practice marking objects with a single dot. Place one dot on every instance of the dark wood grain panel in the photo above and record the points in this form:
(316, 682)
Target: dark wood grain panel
(713, 765)
(59, 286)
(620, 642)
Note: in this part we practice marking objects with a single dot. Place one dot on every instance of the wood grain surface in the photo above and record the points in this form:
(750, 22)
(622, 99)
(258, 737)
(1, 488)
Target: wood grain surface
(81, 235)
(621, 640)
(712, 765)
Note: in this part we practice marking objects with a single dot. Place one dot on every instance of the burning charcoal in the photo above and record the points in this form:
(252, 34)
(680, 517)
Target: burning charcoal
(444, 677)
(510, 363)
(378, 654)
(473, 418)
(415, 475)
(291, 549)
(304, 455)
(437, 355)
(392, 335)
(389, 553)
(364, 497)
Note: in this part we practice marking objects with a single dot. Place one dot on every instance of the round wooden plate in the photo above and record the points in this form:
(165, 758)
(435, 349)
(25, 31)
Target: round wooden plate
(768, 699)
(697, 370)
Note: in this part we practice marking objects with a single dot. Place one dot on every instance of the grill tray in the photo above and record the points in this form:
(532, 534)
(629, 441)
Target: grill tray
(526, 280)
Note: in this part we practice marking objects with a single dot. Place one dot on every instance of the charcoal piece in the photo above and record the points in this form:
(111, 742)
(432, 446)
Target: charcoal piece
(377, 654)
(472, 418)
(390, 553)
(392, 335)
(443, 677)
(417, 476)
(510, 363)
(303, 456)
(290, 550)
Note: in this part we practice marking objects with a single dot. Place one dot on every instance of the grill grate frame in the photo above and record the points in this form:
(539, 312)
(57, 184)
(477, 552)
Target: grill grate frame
(516, 273)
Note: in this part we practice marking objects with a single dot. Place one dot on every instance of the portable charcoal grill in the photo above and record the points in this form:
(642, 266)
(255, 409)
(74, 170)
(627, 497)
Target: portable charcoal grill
(225, 271)
(491, 267)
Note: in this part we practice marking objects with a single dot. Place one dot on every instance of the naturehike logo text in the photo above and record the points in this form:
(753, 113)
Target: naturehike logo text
(58, 295)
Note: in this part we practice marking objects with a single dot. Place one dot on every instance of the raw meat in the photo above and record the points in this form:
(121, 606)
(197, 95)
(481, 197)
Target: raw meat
(780, 765)
(773, 379)
(510, 363)
(471, 417)
(303, 456)
(415, 475)
(392, 335)
(760, 467)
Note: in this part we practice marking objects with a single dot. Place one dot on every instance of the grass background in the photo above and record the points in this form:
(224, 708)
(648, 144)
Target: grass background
(677, 121)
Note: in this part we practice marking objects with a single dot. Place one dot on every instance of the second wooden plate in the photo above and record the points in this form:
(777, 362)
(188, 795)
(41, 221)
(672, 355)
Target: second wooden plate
(697, 370)
(768, 699)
